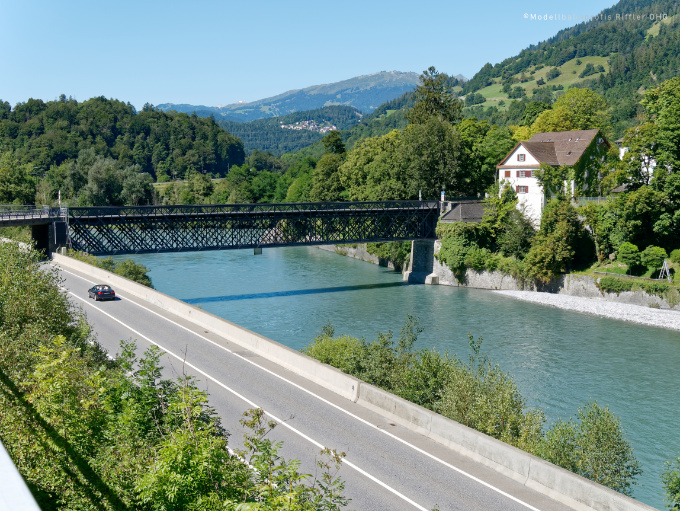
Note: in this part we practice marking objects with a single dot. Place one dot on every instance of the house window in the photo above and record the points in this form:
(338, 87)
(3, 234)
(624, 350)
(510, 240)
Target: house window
(507, 173)
(521, 157)
(523, 173)
(522, 189)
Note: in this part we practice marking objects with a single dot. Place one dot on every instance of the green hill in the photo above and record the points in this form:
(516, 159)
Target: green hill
(617, 55)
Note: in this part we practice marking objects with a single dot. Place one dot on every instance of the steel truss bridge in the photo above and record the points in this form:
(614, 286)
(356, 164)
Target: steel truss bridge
(143, 229)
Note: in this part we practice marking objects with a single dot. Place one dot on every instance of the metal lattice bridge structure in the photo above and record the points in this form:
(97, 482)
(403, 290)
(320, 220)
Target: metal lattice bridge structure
(144, 229)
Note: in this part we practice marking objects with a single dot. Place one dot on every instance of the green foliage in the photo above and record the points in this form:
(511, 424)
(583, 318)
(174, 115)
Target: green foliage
(17, 186)
(89, 433)
(126, 268)
(396, 252)
(554, 246)
(671, 483)
(652, 257)
(628, 254)
(460, 242)
(552, 74)
(614, 285)
(594, 448)
(49, 134)
(480, 395)
(675, 256)
(434, 99)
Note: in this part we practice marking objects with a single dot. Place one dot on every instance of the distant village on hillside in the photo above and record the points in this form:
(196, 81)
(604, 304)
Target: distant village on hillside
(311, 126)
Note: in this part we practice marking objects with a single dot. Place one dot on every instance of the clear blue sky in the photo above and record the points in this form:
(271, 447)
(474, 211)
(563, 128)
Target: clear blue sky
(211, 52)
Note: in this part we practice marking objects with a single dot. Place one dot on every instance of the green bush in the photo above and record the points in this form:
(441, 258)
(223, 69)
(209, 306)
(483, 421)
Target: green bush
(480, 395)
(614, 285)
(594, 448)
(396, 252)
(675, 256)
(126, 268)
(652, 257)
(628, 254)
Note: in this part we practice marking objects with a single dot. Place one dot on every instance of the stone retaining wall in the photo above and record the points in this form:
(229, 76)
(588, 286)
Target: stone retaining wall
(571, 285)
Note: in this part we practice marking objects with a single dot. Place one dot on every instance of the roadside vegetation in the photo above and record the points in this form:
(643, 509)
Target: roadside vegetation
(87, 432)
(479, 394)
(126, 268)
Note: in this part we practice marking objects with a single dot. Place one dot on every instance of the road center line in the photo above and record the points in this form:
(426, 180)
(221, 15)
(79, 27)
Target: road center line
(322, 399)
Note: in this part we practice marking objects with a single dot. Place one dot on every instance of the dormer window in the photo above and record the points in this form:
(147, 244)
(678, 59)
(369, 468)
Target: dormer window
(521, 157)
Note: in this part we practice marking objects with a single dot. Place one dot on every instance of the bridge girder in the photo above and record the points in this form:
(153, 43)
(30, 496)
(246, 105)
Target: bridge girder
(125, 230)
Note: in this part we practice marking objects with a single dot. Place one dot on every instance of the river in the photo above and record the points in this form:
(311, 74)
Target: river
(560, 359)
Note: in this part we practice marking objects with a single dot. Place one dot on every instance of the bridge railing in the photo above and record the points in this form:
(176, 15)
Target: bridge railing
(24, 212)
(211, 209)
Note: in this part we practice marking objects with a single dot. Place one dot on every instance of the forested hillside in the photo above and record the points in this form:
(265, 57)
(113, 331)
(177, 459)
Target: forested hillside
(159, 143)
(617, 55)
(292, 132)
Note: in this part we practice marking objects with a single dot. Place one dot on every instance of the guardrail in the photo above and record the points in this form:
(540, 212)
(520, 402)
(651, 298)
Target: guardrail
(25, 212)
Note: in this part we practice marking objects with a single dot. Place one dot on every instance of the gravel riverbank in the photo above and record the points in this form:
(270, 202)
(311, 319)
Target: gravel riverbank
(663, 318)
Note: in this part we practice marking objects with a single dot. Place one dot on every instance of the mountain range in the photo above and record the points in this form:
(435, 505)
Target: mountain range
(365, 93)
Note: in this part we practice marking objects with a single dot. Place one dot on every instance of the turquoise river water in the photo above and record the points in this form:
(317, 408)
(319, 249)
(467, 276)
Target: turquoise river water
(560, 359)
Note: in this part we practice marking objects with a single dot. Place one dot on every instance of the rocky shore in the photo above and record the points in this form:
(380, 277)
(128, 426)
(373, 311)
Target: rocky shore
(664, 318)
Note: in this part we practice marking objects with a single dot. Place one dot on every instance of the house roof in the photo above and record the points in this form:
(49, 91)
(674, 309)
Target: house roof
(557, 147)
(568, 145)
(469, 211)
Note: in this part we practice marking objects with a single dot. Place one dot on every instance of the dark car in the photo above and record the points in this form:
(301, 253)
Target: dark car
(101, 292)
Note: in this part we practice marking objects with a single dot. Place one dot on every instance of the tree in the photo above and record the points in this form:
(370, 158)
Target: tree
(653, 257)
(594, 448)
(333, 143)
(671, 482)
(326, 179)
(663, 107)
(577, 109)
(373, 170)
(628, 254)
(431, 156)
(16, 184)
(433, 98)
(554, 246)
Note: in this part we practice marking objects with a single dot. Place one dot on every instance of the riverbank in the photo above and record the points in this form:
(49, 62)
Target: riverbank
(664, 318)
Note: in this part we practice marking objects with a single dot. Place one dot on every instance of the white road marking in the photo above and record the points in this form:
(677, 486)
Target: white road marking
(316, 396)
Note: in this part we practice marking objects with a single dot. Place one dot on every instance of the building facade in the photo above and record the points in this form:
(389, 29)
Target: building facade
(581, 151)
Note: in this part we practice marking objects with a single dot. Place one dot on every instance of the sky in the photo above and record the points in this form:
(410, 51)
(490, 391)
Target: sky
(217, 52)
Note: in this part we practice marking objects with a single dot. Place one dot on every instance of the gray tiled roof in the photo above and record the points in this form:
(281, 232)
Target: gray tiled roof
(464, 212)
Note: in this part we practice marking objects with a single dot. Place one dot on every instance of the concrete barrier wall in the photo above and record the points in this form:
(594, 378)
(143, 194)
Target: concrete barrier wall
(297, 362)
(546, 478)
(535, 473)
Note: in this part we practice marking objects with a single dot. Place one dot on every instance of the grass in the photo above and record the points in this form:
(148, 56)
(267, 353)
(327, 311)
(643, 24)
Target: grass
(653, 31)
(570, 76)
(622, 269)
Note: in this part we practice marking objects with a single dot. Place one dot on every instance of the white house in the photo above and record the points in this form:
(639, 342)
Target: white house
(583, 150)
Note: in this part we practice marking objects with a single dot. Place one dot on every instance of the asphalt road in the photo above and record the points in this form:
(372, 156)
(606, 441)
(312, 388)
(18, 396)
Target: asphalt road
(387, 467)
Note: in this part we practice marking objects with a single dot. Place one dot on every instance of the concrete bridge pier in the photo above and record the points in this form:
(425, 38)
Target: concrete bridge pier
(48, 237)
(420, 267)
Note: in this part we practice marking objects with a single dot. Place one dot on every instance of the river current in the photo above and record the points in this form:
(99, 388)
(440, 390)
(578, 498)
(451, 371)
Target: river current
(559, 359)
